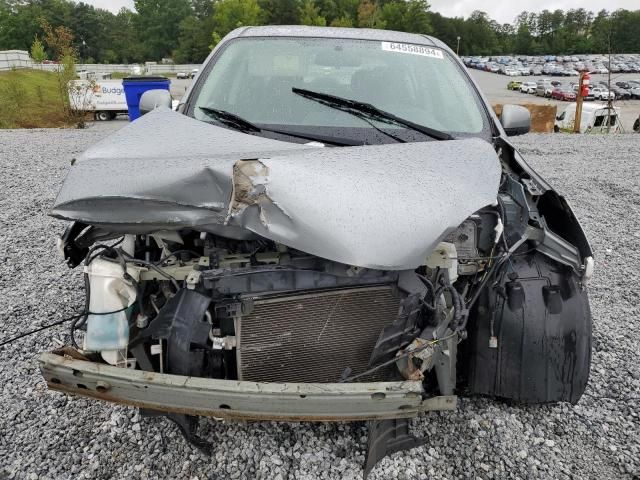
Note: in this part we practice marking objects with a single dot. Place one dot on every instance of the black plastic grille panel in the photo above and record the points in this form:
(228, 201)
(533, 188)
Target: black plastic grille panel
(313, 337)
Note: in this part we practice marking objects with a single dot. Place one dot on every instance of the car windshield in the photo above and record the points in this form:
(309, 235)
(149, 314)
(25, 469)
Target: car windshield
(253, 78)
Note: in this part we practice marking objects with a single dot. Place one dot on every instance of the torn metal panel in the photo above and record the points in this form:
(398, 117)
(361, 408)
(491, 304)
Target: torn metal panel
(164, 171)
(238, 399)
(383, 206)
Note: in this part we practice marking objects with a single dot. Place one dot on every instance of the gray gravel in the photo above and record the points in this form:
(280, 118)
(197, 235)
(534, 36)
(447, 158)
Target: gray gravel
(49, 435)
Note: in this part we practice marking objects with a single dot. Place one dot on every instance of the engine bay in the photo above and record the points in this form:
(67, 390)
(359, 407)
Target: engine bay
(194, 303)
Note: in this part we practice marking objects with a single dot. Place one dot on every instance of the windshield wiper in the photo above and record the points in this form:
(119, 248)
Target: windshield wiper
(238, 123)
(362, 110)
(230, 119)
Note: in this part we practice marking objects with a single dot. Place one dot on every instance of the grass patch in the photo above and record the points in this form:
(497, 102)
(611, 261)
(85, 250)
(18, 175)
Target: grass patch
(119, 75)
(30, 99)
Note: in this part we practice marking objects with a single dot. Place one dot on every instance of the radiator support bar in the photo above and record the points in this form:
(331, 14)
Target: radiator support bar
(239, 400)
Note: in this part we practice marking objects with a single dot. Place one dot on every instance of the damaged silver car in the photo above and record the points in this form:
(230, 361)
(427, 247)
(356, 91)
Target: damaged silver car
(333, 226)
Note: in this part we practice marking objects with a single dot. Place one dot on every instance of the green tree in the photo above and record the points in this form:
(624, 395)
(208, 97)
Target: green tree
(37, 51)
(344, 21)
(158, 22)
(523, 43)
(124, 38)
(193, 41)
(60, 41)
(481, 33)
(448, 30)
(406, 15)
(310, 14)
(369, 15)
(280, 12)
(600, 32)
(231, 14)
(625, 31)
(339, 13)
(416, 18)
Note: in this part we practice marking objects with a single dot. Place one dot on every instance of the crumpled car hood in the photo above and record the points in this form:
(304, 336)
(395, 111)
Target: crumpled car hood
(383, 207)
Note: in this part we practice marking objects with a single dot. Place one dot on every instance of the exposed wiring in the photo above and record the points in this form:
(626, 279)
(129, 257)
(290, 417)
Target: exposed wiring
(494, 270)
(81, 320)
(173, 254)
(432, 290)
(459, 308)
(59, 322)
(153, 266)
(406, 353)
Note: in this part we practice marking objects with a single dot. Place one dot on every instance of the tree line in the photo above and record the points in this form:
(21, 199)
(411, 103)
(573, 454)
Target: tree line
(186, 30)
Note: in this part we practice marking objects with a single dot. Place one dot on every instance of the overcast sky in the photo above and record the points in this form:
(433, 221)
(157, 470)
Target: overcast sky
(503, 11)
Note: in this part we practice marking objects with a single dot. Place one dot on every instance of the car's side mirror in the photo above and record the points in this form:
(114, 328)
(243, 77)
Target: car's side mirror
(153, 99)
(515, 119)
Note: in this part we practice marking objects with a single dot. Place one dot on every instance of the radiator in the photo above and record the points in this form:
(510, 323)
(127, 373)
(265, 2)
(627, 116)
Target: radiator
(313, 337)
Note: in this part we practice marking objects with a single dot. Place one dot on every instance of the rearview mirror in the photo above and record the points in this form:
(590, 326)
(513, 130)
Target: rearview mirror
(153, 99)
(515, 119)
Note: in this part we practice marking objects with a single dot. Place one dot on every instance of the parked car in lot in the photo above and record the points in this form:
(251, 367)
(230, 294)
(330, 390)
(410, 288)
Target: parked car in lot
(544, 88)
(602, 93)
(563, 94)
(536, 70)
(620, 93)
(514, 85)
(331, 227)
(190, 74)
(528, 87)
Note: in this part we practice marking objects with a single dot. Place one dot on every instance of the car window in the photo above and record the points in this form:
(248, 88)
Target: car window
(253, 78)
(601, 120)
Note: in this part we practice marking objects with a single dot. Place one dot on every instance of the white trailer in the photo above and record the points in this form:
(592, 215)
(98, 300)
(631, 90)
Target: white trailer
(105, 98)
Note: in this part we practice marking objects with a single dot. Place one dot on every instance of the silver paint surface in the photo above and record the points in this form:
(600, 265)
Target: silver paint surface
(383, 207)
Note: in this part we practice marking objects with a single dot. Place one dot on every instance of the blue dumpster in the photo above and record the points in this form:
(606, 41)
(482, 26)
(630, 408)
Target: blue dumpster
(134, 87)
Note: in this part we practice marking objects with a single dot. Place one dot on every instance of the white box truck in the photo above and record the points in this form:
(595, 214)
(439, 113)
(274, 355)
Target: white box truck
(596, 118)
(105, 98)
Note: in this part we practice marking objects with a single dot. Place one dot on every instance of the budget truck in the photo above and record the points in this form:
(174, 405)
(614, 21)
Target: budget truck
(105, 98)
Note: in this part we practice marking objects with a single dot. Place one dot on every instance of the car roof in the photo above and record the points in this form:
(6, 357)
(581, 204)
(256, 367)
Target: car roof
(591, 107)
(335, 32)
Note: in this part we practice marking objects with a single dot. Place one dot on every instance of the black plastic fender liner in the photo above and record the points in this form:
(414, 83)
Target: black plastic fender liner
(387, 437)
(543, 351)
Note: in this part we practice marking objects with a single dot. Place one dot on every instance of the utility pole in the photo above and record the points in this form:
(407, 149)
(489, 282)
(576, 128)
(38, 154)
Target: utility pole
(576, 122)
(609, 99)
(458, 47)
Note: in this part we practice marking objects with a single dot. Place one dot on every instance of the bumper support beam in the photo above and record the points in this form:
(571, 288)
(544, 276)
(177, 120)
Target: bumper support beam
(240, 400)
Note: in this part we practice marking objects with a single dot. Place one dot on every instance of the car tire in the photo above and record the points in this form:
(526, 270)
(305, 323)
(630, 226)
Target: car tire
(102, 116)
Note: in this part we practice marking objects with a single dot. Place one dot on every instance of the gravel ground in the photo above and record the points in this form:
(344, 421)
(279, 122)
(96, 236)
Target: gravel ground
(49, 435)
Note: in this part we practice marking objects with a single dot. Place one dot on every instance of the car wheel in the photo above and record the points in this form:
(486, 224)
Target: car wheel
(102, 116)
